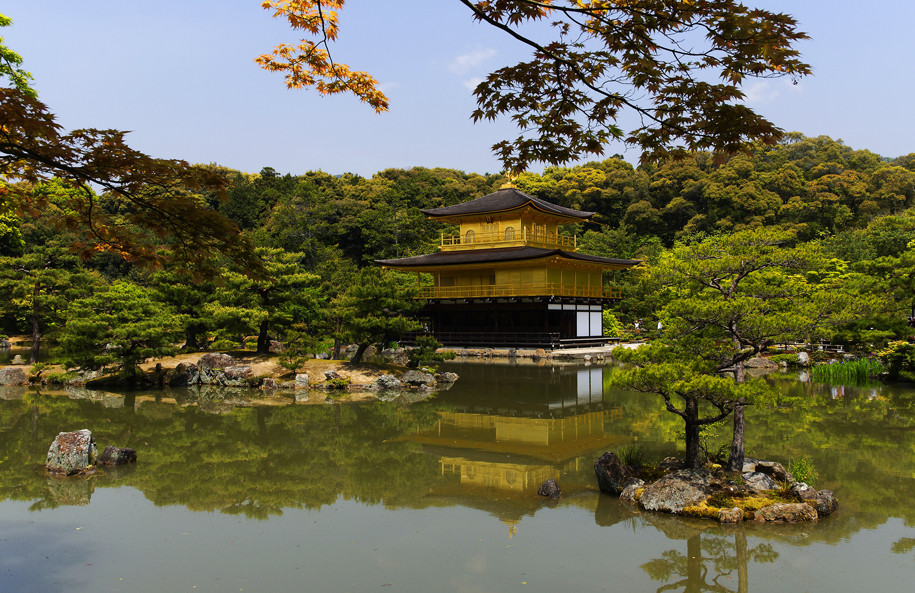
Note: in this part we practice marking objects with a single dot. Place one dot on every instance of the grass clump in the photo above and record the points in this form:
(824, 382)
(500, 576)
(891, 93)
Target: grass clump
(803, 470)
(633, 455)
(853, 373)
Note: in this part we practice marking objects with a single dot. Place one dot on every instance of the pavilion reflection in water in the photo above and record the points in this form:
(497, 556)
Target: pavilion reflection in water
(513, 444)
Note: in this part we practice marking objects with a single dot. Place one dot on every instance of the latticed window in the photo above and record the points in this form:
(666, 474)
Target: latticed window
(468, 238)
(510, 234)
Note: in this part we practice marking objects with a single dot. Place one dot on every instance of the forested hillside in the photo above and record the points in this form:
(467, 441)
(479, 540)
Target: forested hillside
(317, 235)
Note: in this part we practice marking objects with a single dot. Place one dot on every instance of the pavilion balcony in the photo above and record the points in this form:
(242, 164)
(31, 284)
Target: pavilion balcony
(521, 290)
(519, 238)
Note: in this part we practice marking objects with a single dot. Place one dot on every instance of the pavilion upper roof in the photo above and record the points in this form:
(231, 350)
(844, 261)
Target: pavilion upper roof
(504, 200)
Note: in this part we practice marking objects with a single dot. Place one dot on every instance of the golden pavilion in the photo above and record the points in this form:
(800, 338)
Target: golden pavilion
(510, 278)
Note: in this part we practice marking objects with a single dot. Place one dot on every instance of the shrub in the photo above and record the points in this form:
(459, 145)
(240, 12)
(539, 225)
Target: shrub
(899, 358)
(339, 383)
(610, 324)
(426, 350)
(61, 377)
(223, 345)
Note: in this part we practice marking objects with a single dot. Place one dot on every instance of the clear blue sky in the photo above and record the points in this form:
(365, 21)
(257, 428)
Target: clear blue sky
(180, 75)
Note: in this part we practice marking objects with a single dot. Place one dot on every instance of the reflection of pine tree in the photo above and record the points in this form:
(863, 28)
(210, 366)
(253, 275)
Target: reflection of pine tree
(714, 553)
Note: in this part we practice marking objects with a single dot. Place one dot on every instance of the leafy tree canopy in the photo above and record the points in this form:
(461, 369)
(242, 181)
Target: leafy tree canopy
(120, 326)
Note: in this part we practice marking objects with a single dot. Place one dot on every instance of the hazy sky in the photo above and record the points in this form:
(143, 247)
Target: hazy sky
(180, 74)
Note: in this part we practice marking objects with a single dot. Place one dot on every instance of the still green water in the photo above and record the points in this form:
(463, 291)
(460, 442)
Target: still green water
(438, 495)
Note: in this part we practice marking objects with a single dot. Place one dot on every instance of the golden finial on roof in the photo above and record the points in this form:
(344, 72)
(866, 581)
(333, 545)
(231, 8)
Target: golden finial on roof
(510, 184)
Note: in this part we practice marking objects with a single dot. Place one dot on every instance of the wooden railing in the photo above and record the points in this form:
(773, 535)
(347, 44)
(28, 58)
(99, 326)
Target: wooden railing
(510, 339)
(521, 237)
(489, 338)
(518, 290)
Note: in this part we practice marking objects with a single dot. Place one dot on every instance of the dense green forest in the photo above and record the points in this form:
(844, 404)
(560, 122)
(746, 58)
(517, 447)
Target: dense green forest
(316, 236)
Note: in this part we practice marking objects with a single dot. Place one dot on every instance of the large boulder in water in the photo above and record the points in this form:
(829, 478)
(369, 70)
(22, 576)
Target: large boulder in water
(446, 377)
(826, 503)
(550, 489)
(612, 475)
(823, 501)
(72, 452)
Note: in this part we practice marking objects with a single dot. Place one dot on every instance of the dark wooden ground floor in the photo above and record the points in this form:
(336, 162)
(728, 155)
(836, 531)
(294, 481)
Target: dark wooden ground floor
(520, 323)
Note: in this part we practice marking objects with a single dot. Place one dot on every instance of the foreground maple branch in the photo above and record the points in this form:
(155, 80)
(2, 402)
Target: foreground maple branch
(162, 212)
(652, 58)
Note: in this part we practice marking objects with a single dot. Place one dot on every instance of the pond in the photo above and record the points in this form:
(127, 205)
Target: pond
(438, 495)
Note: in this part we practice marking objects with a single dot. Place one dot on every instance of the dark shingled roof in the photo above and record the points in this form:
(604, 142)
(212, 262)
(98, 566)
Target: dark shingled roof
(505, 199)
(506, 254)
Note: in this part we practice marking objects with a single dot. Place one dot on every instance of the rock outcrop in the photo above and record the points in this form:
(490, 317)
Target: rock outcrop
(712, 493)
(446, 377)
(631, 491)
(215, 360)
(677, 490)
(775, 470)
(386, 382)
(759, 482)
(796, 512)
(417, 379)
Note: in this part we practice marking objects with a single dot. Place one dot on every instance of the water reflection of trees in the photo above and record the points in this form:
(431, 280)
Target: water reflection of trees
(251, 461)
(257, 461)
(711, 563)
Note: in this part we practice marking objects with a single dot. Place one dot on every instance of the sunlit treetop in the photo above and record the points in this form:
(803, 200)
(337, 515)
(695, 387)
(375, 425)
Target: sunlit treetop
(10, 65)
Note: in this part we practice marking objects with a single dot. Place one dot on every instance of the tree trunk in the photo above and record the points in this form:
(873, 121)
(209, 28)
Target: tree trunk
(738, 445)
(735, 460)
(36, 333)
(693, 459)
(357, 357)
(191, 341)
(263, 340)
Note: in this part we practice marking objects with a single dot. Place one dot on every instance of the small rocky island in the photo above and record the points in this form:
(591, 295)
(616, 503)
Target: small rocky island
(763, 492)
(216, 373)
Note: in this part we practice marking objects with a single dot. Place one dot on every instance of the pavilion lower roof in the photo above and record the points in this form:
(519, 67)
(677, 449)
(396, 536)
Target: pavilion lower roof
(506, 254)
